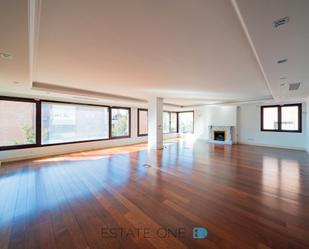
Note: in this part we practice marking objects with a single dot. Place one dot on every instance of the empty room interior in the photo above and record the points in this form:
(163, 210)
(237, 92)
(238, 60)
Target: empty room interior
(154, 124)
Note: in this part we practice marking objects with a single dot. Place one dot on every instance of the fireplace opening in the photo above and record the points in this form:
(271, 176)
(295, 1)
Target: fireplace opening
(219, 135)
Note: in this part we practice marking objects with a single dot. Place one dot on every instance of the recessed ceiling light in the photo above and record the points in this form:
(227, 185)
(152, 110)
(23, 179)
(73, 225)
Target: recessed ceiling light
(281, 21)
(5, 56)
(282, 61)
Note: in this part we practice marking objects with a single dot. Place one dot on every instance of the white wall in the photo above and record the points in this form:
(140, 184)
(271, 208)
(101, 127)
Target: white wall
(214, 115)
(11, 155)
(249, 130)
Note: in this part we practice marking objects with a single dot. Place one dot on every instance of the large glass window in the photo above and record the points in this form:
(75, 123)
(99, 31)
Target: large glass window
(290, 117)
(270, 118)
(63, 123)
(166, 122)
(173, 122)
(120, 122)
(185, 122)
(142, 119)
(17, 123)
(285, 118)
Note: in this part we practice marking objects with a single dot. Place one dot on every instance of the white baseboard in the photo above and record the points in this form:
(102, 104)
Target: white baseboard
(275, 146)
(58, 152)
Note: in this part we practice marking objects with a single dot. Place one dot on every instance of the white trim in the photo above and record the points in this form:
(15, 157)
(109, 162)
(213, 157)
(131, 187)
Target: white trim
(34, 15)
(244, 26)
(64, 149)
(275, 146)
(69, 151)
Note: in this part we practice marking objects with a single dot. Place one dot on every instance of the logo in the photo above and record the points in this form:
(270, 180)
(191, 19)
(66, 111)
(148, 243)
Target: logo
(144, 232)
(200, 233)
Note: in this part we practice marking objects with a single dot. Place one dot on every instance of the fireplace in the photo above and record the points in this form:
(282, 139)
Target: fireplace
(219, 135)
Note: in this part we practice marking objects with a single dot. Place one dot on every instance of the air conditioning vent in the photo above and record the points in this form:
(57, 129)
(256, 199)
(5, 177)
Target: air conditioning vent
(82, 94)
(84, 98)
(281, 21)
(294, 86)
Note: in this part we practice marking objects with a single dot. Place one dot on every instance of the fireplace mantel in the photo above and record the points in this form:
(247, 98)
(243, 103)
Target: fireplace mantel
(227, 130)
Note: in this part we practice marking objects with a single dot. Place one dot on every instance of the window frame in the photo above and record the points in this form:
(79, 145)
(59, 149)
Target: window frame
(37, 127)
(299, 130)
(169, 122)
(193, 123)
(72, 142)
(138, 119)
(38, 123)
(110, 122)
(173, 132)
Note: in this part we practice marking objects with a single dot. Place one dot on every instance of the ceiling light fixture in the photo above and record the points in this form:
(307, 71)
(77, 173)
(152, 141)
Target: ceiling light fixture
(281, 21)
(5, 56)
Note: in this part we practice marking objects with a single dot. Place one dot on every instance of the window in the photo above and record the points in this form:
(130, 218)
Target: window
(63, 123)
(185, 122)
(285, 118)
(270, 118)
(26, 123)
(120, 121)
(166, 122)
(17, 123)
(173, 122)
(290, 118)
(142, 122)
(169, 122)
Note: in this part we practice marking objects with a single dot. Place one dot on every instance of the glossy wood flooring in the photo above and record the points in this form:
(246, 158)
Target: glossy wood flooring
(246, 196)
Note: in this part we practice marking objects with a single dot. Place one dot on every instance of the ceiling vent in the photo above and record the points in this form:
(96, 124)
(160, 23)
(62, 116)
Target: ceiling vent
(294, 86)
(281, 21)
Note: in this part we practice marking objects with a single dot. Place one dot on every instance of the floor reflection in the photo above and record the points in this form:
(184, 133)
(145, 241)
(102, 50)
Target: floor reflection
(33, 190)
(281, 182)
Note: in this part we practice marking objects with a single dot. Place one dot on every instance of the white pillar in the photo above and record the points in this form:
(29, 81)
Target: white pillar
(155, 128)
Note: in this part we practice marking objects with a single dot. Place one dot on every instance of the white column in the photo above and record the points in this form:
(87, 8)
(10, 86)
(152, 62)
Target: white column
(155, 128)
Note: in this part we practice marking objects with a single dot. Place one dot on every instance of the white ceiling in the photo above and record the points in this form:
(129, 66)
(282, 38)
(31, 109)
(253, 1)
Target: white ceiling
(290, 41)
(189, 52)
(14, 41)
